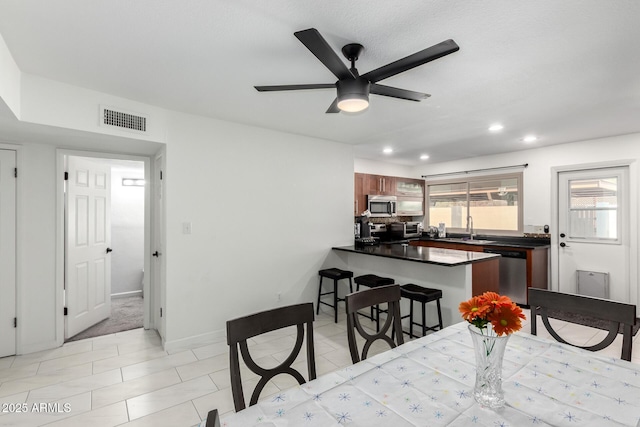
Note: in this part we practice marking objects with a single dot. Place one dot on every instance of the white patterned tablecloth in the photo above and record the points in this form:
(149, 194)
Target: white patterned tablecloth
(429, 382)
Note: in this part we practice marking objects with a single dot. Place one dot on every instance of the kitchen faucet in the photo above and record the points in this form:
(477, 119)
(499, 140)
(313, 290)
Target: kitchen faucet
(470, 226)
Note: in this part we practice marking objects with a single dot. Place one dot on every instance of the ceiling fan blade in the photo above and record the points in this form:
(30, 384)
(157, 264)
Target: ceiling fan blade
(419, 58)
(312, 39)
(295, 87)
(395, 92)
(333, 108)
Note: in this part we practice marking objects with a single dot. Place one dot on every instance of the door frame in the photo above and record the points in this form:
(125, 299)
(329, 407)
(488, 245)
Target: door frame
(148, 287)
(631, 164)
(159, 236)
(18, 247)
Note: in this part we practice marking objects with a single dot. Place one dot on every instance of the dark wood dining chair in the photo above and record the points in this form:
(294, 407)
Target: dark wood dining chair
(616, 313)
(243, 328)
(213, 420)
(389, 294)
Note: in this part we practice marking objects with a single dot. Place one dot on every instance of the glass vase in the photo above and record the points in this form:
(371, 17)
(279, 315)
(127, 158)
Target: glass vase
(489, 349)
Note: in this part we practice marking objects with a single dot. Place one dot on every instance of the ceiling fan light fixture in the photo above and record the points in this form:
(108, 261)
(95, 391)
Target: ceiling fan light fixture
(353, 95)
(353, 105)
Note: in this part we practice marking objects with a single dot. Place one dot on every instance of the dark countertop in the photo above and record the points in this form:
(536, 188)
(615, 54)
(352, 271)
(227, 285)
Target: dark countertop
(438, 256)
(496, 241)
(500, 241)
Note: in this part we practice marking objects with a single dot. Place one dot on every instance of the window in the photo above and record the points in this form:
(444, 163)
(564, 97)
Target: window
(593, 208)
(493, 202)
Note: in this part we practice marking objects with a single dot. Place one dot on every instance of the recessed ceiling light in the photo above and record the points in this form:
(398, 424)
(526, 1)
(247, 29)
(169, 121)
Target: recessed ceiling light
(388, 150)
(424, 157)
(496, 127)
(530, 138)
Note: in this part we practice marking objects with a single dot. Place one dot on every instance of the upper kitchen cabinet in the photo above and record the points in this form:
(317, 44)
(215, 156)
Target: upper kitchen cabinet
(410, 192)
(409, 187)
(380, 185)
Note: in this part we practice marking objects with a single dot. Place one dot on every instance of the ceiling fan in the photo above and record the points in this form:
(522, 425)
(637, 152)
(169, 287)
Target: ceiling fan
(353, 88)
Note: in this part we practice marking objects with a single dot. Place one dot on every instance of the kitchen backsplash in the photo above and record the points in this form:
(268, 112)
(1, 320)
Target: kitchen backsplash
(394, 219)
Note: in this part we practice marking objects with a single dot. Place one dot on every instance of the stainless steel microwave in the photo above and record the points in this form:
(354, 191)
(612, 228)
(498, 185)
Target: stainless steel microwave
(382, 206)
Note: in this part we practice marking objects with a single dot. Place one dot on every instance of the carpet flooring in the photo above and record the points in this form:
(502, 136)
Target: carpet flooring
(126, 313)
(594, 323)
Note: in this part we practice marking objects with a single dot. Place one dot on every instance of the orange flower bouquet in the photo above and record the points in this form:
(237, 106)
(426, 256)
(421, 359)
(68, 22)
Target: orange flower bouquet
(493, 318)
(491, 308)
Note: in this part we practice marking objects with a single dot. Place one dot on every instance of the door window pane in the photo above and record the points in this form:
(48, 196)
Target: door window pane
(593, 208)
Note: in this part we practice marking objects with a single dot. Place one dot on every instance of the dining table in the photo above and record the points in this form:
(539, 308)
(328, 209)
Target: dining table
(429, 382)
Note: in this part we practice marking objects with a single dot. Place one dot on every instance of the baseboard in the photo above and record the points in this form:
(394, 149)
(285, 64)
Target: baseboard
(195, 341)
(34, 348)
(126, 294)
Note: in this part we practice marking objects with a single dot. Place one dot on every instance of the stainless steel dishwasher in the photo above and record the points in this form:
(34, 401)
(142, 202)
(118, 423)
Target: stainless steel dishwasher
(513, 274)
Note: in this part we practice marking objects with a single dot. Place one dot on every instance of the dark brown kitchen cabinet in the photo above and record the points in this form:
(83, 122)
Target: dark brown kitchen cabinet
(410, 192)
(365, 184)
(360, 197)
(380, 185)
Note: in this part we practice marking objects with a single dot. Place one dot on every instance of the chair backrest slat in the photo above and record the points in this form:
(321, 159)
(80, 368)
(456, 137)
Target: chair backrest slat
(213, 419)
(367, 298)
(616, 313)
(243, 328)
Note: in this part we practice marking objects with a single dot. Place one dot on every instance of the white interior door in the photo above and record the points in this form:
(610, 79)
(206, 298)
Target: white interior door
(7, 252)
(88, 239)
(593, 229)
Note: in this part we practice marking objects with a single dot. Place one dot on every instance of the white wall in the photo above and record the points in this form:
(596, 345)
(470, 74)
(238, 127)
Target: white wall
(9, 79)
(53, 103)
(265, 207)
(127, 229)
(383, 168)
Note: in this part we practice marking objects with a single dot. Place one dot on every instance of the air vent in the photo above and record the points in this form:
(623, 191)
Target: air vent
(122, 120)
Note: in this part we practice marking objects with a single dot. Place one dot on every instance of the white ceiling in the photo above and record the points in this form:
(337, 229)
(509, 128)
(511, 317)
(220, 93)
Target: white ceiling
(563, 70)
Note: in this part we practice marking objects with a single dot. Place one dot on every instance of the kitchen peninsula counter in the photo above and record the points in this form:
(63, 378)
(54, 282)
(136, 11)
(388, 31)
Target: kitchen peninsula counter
(438, 256)
(459, 274)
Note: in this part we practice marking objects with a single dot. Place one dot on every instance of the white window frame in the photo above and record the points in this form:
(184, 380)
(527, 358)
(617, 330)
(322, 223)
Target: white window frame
(519, 176)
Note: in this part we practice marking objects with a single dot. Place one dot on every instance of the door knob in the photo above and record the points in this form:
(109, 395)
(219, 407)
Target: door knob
(156, 254)
(563, 245)
(562, 235)
(109, 250)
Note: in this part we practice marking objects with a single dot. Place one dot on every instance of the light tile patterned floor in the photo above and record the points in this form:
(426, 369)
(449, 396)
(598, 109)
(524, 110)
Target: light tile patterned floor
(128, 379)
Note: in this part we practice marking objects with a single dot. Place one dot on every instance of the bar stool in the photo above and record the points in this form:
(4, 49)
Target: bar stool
(373, 281)
(334, 274)
(423, 295)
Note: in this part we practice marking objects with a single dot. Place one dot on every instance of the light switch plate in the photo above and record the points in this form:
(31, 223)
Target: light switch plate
(186, 228)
